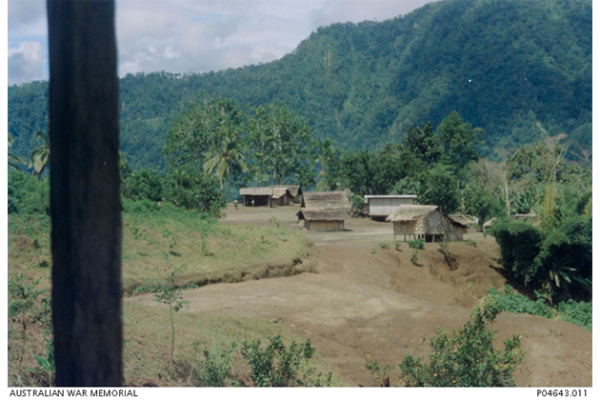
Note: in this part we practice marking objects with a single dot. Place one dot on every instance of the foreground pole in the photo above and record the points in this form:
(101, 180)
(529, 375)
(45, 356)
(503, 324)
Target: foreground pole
(84, 193)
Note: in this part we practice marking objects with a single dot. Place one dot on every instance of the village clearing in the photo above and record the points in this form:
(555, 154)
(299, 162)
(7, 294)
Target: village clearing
(362, 302)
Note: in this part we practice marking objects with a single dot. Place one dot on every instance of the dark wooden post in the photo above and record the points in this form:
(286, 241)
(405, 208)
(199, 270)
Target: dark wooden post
(84, 193)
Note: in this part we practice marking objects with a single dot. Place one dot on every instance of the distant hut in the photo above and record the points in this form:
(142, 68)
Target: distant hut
(463, 219)
(324, 211)
(256, 196)
(326, 200)
(380, 206)
(425, 222)
(284, 195)
(323, 220)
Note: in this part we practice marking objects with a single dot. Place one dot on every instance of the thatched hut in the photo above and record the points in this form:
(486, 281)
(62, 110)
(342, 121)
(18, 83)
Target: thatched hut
(256, 196)
(380, 206)
(323, 220)
(284, 195)
(425, 222)
(326, 200)
(463, 219)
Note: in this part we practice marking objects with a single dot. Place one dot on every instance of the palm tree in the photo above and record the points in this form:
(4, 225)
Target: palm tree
(40, 155)
(222, 153)
(13, 161)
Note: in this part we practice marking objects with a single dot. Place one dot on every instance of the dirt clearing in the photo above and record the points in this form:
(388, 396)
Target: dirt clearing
(365, 302)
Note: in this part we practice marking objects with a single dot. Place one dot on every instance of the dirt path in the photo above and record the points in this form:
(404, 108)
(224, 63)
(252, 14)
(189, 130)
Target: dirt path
(361, 306)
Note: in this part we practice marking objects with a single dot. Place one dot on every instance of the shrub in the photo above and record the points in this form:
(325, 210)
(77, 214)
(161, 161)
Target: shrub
(27, 195)
(511, 301)
(217, 365)
(276, 365)
(418, 244)
(578, 313)
(384, 245)
(413, 256)
(397, 245)
(466, 358)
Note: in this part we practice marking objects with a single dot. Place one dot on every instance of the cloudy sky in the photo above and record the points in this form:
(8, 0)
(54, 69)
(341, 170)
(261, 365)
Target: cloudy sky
(194, 35)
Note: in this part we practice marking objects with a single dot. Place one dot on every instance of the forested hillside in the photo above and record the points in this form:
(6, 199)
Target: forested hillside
(520, 70)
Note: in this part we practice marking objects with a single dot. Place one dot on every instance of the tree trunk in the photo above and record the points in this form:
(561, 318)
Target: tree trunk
(84, 193)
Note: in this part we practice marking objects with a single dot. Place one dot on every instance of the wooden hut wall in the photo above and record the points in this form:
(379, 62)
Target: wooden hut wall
(324, 226)
(432, 228)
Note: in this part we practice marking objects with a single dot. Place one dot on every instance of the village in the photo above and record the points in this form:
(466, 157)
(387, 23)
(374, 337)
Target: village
(329, 211)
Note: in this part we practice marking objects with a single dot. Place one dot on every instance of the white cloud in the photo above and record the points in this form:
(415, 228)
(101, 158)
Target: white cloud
(200, 35)
(25, 63)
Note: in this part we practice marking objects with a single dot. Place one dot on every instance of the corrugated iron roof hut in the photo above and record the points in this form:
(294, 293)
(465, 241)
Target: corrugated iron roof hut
(425, 222)
(256, 196)
(380, 206)
(323, 220)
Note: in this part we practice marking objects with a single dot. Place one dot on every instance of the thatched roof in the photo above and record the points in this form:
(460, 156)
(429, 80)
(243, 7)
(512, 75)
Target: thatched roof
(256, 191)
(326, 200)
(461, 219)
(416, 212)
(330, 214)
(293, 189)
(411, 212)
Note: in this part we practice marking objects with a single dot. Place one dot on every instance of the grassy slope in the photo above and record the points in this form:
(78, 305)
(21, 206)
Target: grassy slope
(152, 245)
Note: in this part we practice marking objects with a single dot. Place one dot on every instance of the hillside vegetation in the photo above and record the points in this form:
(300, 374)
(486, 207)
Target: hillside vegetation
(520, 70)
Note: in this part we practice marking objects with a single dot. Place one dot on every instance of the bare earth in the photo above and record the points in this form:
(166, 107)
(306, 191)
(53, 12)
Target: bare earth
(360, 306)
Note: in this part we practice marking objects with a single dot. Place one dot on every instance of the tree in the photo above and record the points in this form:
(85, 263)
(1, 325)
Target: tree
(280, 142)
(84, 193)
(194, 131)
(458, 140)
(466, 358)
(13, 161)
(224, 151)
(423, 143)
(40, 155)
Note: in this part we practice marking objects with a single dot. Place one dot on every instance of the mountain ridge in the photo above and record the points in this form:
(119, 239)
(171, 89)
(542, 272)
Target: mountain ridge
(519, 70)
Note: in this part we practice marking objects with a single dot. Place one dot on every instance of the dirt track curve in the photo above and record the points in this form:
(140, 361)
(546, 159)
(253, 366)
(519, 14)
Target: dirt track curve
(360, 306)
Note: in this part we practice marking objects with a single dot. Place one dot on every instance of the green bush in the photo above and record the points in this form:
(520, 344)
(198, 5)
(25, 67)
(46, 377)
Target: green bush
(413, 256)
(467, 358)
(384, 245)
(578, 313)
(27, 195)
(511, 301)
(217, 365)
(418, 244)
(277, 365)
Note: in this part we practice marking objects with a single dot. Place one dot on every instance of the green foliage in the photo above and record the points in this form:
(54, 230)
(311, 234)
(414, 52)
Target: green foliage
(22, 307)
(466, 358)
(512, 301)
(557, 260)
(418, 244)
(145, 184)
(397, 245)
(380, 372)
(168, 293)
(414, 256)
(384, 245)
(280, 142)
(578, 313)
(277, 365)
(217, 365)
(276, 221)
(27, 195)
(40, 156)
(362, 84)
(373, 251)
(520, 243)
